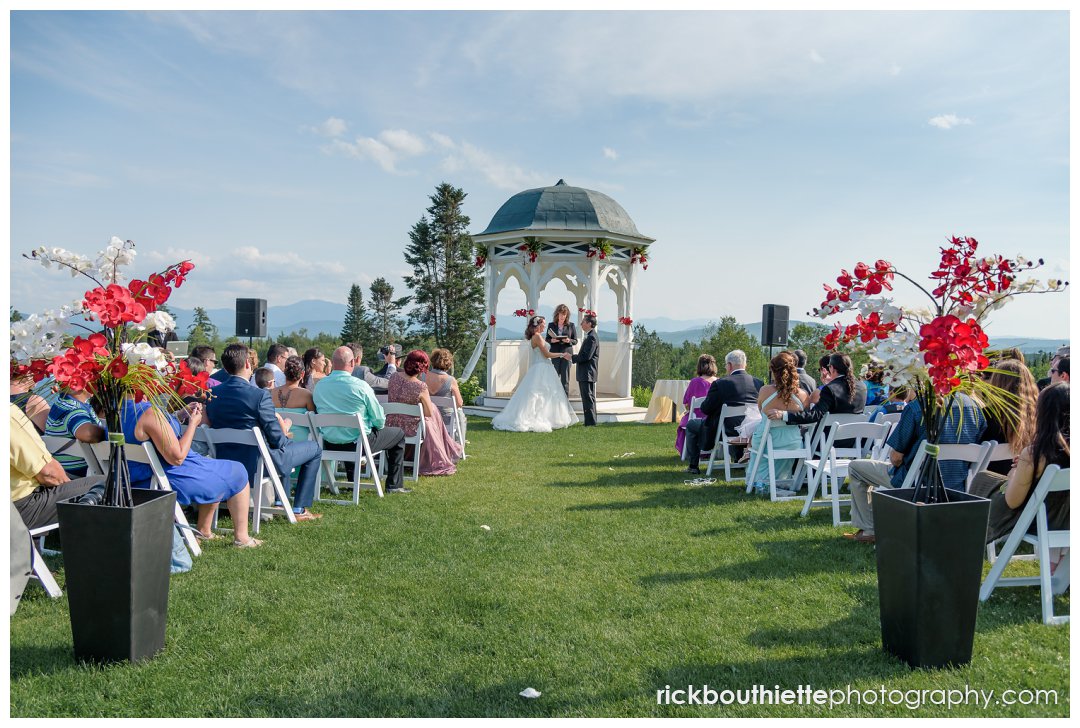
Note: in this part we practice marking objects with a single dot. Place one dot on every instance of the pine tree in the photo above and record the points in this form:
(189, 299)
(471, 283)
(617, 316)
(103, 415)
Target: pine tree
(384, 311)
(357, 326)
(448, 290)
(202, 330)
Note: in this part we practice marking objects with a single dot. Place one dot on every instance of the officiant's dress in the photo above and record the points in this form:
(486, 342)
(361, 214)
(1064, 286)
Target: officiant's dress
(539, 403)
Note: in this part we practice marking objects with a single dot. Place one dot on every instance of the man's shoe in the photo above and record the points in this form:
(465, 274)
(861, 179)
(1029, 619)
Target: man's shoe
(307, 516)
(864, 537)
(398, 490)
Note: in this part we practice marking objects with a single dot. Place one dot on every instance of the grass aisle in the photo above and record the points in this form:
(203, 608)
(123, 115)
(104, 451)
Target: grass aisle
(602, 580)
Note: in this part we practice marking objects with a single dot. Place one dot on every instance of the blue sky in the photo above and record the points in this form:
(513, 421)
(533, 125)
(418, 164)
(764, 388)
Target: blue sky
(288, 154)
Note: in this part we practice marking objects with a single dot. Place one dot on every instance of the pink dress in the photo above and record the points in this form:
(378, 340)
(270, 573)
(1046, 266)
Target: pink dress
(698, 387)
(440, 452)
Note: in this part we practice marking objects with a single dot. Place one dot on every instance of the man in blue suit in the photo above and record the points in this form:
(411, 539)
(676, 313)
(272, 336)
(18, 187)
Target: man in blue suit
(235, 404)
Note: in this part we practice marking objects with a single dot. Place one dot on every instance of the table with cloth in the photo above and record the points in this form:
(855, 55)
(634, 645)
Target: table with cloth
(666, 395)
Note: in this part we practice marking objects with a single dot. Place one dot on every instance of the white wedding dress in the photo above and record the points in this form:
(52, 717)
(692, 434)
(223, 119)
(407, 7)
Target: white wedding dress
(539, 403)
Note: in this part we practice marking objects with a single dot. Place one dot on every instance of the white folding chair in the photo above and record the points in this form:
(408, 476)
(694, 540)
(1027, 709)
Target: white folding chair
(973, 454)
(816, 435)
(417, 440)
(830, 471)
(1054, 479)
(265, 471)
(457, 421)
(382, 398)
(765, 449)
(38, 568)
(364, 467)
(145, 454)
(1001, 451)
(720, 454)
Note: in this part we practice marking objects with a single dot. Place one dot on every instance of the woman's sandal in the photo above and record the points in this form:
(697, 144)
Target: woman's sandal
(249, 544)
(208, 536)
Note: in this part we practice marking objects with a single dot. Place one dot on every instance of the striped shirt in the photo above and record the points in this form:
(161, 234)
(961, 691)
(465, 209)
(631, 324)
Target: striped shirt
(65, 417)
(964, 424)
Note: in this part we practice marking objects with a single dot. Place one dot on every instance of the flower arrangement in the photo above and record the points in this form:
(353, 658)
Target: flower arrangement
(491, 320)
(626, 320)
(601, 247)
(115, 362)
(531, 247)
(937, 350)
(640, 254)
(524, 312)
(586, 311)
(481, 252)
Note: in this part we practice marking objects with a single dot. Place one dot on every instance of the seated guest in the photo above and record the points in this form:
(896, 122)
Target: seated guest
(806, 382)
(826, 377)
(33, 405)
(208, 357)
(292, 399)
(1049, 446)
(842, 394)
(873, 379)
(1049, 379)
(1059, 372)
(342, 393)
(698, 387)
(964, 423)
(253, 360)
(737, 388)
(204, 481)
(439, 452)
(1012, 420)
(275, 359)
(388, 355)
(73, 416)
(784, 392)
(898, 399)
(314, 361)
(441, 383)
(239, 406)
(38, 481)
(379, 384)
(1006, 355)
(264, 378)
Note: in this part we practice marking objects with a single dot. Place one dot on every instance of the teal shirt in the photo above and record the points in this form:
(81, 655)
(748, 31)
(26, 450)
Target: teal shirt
(341, 393)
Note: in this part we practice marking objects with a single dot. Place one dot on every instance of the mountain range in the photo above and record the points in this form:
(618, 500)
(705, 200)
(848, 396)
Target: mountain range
(318, 316)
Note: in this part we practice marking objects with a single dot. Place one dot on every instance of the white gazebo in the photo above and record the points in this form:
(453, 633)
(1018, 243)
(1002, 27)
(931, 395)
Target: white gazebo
(584, 239)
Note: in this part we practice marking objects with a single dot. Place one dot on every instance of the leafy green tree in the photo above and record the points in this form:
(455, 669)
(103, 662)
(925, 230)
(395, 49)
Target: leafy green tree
(448, 290)
(202, 330)
(808, 337)
(652, 358)
(727, 335)
(14, 314)
(357, 326)
(386, 322)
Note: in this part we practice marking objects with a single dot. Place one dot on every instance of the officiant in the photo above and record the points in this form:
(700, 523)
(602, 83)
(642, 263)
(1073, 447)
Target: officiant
(562, 337)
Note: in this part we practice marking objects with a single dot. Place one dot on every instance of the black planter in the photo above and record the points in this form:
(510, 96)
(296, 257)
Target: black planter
(116, 562)
(929, 566)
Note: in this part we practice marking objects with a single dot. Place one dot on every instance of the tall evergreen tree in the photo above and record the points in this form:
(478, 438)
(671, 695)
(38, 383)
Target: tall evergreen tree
(384, 311)
(448, 290)
(202, 330)
(357, 326)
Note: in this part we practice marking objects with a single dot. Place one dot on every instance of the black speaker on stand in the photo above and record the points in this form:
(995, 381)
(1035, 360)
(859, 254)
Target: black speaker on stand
(774, 326)
(251, 318)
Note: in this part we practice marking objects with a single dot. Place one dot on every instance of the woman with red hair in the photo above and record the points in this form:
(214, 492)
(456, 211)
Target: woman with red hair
(440, 452)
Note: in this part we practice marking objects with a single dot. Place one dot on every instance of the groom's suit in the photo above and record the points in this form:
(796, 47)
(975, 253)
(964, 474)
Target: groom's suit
(587, 360)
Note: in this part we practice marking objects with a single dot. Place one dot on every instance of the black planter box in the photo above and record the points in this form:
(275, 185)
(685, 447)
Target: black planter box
(116, 563)
(929, 565)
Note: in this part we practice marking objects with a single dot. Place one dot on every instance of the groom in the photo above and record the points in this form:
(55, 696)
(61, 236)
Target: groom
(587, 359)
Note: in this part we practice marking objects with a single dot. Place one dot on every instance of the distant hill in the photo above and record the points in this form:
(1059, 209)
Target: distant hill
(326, 317)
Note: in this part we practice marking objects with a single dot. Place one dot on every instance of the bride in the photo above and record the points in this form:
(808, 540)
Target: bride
(539, 403)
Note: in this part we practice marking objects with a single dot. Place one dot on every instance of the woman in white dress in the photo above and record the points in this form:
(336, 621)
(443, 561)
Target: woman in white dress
(539, 403)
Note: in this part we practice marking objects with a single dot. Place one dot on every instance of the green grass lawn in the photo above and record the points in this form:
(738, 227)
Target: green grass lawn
(602, 580)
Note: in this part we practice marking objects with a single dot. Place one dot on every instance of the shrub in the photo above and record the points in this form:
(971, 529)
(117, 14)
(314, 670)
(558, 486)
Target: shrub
(641, 395)
(470, 390)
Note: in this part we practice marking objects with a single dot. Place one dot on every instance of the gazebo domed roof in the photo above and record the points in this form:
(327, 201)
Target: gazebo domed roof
(562, 207)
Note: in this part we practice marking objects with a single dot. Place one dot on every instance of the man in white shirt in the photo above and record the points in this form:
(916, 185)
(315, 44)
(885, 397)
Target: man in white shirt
(275, 360)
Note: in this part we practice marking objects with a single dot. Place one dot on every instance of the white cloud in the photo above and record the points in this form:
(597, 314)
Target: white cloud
(501, 174)
(948, 121)
(387, 151)
(816, 57)
(332, 127)
(442, 140)
(403, 141)
(610, 153)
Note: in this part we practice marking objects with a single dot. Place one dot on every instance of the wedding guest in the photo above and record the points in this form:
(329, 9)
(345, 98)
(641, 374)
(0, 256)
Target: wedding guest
(783, 392)
(1059, 372)
(841, 394)
(33, 405)
(275, 359)
(1049, 446)
(253, 361)
(264, 378)
(898, 399)
(208, 356)
(314, 361)
(561, 337)
(698, 387)
(873, 378)
(441, 383)
(293, 401)
(439, 452)
(806, 382)
(360, 371)
(1012, 420)
(1046, 381)
(72, 415)
(388, 355)
(737, 388)
(204, 481)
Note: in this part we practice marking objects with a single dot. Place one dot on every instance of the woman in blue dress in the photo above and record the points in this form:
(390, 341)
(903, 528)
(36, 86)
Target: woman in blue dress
(196, 479)
(782, 393)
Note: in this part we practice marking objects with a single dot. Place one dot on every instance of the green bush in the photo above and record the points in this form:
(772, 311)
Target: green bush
(470, 390)
(641, 395)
